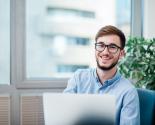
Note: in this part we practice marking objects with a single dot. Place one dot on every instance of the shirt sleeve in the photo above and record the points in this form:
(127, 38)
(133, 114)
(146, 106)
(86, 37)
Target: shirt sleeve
(71, 85)
(130, 112)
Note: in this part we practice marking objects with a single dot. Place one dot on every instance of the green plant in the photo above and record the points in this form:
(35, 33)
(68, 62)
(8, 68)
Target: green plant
(139, 63)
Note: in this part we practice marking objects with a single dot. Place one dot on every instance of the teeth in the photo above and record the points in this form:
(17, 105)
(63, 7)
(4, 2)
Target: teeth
(105, 58)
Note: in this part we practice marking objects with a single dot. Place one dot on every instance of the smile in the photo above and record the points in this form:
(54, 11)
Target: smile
(105, 58)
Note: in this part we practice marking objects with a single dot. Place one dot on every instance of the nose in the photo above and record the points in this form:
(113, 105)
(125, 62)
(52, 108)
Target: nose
(105, 51)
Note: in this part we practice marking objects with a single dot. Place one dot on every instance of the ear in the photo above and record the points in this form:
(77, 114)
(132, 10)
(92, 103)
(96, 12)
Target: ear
(122, 54)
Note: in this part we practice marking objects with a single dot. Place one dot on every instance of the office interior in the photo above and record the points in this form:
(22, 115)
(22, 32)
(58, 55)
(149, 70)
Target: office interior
(44, 41)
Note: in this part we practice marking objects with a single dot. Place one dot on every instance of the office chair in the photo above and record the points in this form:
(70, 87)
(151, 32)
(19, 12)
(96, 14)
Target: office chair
(147, 106)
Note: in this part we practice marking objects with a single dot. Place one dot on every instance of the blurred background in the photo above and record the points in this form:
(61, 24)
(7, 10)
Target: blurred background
(43, 42)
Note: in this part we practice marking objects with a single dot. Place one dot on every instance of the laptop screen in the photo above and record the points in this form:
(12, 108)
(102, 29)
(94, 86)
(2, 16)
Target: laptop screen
(78, 109)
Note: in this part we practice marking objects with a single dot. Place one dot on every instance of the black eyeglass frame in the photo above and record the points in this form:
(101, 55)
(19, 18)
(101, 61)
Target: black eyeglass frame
(96, 44)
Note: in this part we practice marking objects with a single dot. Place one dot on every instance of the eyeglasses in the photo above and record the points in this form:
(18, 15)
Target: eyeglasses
(112, 48)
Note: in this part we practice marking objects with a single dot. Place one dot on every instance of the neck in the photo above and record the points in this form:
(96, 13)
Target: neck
(105, 75)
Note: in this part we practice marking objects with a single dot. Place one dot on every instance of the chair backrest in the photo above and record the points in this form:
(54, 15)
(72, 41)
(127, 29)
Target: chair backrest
(147, 106)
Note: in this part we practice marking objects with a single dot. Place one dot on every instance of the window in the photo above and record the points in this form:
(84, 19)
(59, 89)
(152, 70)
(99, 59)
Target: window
(123, 15)
(69, 13)
(66, 70)
(5, 42)
(60, 35)
(70, 68)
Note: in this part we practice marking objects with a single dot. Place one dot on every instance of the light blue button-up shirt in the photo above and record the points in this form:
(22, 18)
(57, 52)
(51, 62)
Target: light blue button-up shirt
(127, 101)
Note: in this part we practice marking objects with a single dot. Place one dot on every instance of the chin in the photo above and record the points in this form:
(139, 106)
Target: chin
(106, 67)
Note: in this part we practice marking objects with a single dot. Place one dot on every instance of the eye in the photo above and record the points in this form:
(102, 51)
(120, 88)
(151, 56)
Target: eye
(101, 45)
(112, 46)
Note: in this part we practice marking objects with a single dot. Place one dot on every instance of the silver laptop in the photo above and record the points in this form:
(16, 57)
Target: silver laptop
(78, 109)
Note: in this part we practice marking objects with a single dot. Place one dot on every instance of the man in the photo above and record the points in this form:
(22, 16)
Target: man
(105, 78)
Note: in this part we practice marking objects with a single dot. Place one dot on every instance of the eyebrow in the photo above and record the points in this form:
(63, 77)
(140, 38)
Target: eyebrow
(107, 44)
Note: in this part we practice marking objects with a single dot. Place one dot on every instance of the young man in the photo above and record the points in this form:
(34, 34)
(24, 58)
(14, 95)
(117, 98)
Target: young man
(105, 78)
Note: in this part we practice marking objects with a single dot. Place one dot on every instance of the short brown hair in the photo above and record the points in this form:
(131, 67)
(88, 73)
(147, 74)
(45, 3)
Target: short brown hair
(109, 30)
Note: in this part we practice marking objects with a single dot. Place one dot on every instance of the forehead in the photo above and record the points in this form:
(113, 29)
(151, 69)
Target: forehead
(109, 39)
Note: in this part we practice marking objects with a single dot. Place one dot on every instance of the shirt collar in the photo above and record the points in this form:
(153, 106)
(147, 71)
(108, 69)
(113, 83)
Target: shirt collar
(109, 81)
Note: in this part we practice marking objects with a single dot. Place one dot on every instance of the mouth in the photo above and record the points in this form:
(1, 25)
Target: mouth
(104, 59)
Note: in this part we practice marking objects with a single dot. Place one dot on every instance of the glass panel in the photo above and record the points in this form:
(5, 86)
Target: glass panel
(123, 15)
(69, 13)
(5, 41)
(60, 35)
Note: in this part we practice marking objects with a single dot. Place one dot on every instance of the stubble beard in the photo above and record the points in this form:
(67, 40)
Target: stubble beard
(104, 68)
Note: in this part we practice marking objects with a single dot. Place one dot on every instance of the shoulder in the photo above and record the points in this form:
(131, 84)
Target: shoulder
(84, 72)
(83, 75)
(126, 87)
(126, 83)
(130, 89)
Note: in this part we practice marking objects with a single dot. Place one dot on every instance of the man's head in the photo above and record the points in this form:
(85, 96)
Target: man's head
(109, 46)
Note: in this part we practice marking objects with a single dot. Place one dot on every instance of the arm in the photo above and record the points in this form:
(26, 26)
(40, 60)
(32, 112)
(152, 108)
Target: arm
(130, 114)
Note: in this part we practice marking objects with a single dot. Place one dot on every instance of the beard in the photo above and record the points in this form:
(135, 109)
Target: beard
(104, 68)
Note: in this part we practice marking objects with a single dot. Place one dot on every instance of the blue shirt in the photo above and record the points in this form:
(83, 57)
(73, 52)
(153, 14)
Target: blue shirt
(127, 101)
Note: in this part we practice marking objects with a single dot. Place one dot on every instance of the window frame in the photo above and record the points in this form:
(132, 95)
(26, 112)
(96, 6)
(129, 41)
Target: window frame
(18, 53)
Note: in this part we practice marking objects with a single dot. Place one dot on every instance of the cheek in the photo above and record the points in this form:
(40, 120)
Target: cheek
(115, 57)
(96, 54)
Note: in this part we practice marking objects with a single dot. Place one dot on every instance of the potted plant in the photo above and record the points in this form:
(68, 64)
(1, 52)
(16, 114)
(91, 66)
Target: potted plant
(139, 62)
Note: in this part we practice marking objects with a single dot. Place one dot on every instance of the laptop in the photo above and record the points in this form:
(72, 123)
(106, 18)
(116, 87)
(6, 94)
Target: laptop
(78, 109)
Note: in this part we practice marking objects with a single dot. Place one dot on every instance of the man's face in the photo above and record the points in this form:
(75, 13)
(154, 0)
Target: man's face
(105, 59)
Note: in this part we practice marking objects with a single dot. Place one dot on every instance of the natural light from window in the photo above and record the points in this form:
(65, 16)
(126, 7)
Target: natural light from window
(5, 41)
(60, 35)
